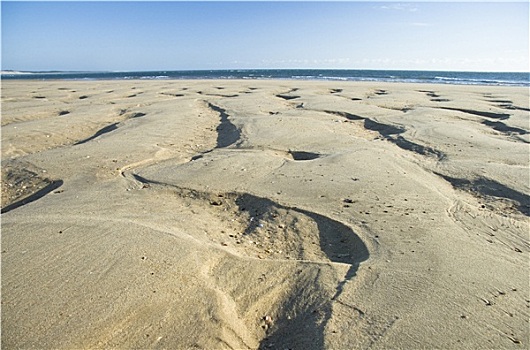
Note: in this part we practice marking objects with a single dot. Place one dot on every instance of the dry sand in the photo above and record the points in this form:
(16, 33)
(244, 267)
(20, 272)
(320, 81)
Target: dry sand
(264, 214)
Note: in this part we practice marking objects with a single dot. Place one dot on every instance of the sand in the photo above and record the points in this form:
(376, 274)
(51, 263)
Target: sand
(264, 214)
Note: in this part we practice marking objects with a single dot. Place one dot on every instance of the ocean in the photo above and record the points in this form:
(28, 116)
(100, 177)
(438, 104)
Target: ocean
(405, 76)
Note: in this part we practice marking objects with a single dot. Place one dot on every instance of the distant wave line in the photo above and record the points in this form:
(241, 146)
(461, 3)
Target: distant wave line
(436, 77)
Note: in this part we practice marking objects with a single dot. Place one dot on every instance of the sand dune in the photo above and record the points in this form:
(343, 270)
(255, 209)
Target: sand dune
(264, 214)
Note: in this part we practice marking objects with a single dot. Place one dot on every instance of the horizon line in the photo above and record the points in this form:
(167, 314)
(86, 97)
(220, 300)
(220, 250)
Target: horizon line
(14, 71)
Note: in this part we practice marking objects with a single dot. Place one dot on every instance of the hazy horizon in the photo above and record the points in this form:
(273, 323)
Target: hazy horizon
(251, 69)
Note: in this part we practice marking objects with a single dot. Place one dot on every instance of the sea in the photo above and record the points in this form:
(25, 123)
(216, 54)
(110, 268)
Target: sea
(403, 76)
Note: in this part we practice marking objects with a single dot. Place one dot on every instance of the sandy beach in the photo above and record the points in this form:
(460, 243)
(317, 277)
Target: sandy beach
(270, 214)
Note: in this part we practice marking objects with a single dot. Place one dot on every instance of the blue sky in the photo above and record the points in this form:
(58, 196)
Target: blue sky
(477, 36)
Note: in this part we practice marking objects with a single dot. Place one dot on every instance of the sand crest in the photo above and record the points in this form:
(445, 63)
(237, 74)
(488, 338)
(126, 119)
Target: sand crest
(264, 214)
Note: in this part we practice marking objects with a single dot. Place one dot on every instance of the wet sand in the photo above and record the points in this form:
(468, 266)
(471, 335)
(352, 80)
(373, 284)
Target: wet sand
(264, 214)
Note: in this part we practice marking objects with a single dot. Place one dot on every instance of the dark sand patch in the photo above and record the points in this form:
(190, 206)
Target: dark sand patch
(100, 132)
(501, 116)
(346, 115)
(287, 97)
(23, 183)
(300, 155)
(392, 134)
(490, 188)
(508, 130)
(227, 133)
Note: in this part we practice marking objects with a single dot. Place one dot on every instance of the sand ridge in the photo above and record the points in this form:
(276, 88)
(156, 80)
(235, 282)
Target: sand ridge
(264, 214)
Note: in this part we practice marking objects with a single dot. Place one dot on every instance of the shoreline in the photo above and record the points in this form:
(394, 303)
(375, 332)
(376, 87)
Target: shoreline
(264, 213)
(330, 75)
(329, 81)
(246, 80)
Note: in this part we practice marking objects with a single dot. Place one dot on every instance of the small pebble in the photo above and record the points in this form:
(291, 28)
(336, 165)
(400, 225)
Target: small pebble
(268, 320)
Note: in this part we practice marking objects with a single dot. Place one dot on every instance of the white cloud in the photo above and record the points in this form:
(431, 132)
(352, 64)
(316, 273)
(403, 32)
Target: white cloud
(311, 62)
(399, 7)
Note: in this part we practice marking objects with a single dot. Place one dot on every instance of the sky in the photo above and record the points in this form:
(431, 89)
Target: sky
(190, 35)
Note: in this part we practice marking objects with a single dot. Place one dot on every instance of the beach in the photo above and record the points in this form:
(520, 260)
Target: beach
(270, 214)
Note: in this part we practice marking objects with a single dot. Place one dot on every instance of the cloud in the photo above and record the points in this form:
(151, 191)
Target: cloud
(399, 7)
(312, 61)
